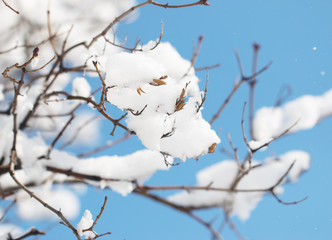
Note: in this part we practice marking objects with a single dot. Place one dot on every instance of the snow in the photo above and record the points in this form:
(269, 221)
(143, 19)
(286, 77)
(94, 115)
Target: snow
(156, 86)
(6, 228)
(139, 166)
(81, 87)
(61, 199)
(85, 222)
(84, 130)
(305, 111)
(2, 96)
(162, 126)
(222, 175)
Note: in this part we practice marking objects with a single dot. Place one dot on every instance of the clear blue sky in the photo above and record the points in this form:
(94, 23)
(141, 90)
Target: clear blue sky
(297, 36)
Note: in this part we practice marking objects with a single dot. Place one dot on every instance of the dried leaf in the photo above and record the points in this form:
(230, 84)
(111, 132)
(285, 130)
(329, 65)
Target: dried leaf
(212, 148)
(159, 82)
(180, 105)
(140, 90)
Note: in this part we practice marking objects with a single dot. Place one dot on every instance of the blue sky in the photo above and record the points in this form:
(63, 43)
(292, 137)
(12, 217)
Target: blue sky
(297, 36)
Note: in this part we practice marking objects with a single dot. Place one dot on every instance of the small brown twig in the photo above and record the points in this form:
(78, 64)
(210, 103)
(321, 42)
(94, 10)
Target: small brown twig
(77, 131)
(281, 179)
(106, 146)
(83, 176)
(11, 8)
(133, 49)
(95, 222)
(197, 69)
(13, 154)
(236, 157)
(237, 85)
(244, 135)
(95, 104)
(201, 2)
(195, 54)
(130, 10)
(187, 211)
(31, 232)
(49, 27)
(103, 91)
(59, 135)
(205, 91)
(252, 84)
(160, 36)
(7, 209)
(284, 92)
(38, 69)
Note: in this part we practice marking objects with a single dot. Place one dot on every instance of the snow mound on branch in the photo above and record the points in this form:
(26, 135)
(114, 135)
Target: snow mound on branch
(115, 172)
(223, 174)
(160, 90)
(307, 111)
(85, 223)
(11, 229)
(80, 20)
(61, 199)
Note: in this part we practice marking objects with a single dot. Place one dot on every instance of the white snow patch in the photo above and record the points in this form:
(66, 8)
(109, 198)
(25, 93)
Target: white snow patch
(222, 175)
(85, 222)
(61, 199)
(305, 111)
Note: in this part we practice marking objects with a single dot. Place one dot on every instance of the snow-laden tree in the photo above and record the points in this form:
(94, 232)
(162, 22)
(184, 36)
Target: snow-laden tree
(65, 74)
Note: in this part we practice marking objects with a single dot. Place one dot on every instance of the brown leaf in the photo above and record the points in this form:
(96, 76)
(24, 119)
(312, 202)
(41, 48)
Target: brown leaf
(140, 90)
(212, 148)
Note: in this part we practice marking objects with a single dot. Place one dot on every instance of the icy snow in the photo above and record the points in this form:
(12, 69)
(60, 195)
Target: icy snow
(85, 222)
(222, 175)
(307, 111)
(160, 126)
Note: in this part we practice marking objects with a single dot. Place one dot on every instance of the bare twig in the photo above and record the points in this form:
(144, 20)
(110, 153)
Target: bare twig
(31, 232)
(197, 69)
(237, 85)
(96, 105)
(107, 145)
(287, 130)
(7, 209)
(49, 27)
(126, 13)
(82, 176)
(179, 208)
(244, 135)
(77, 131)
(59, 135)
(11, 8)
(96, 220)
(103, 91)
(160, 36)
(235, 153)
(14, 158)
(252, 84)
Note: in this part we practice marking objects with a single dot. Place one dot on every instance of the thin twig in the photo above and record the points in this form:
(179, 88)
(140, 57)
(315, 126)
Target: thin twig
(11, 8)
(179, 208)
(106, 146)
(49, 27)
(235, 153)
(7, 209)
(96, 220)
(236, 86)
(203, 96)
(252, 84)
(31, 232)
